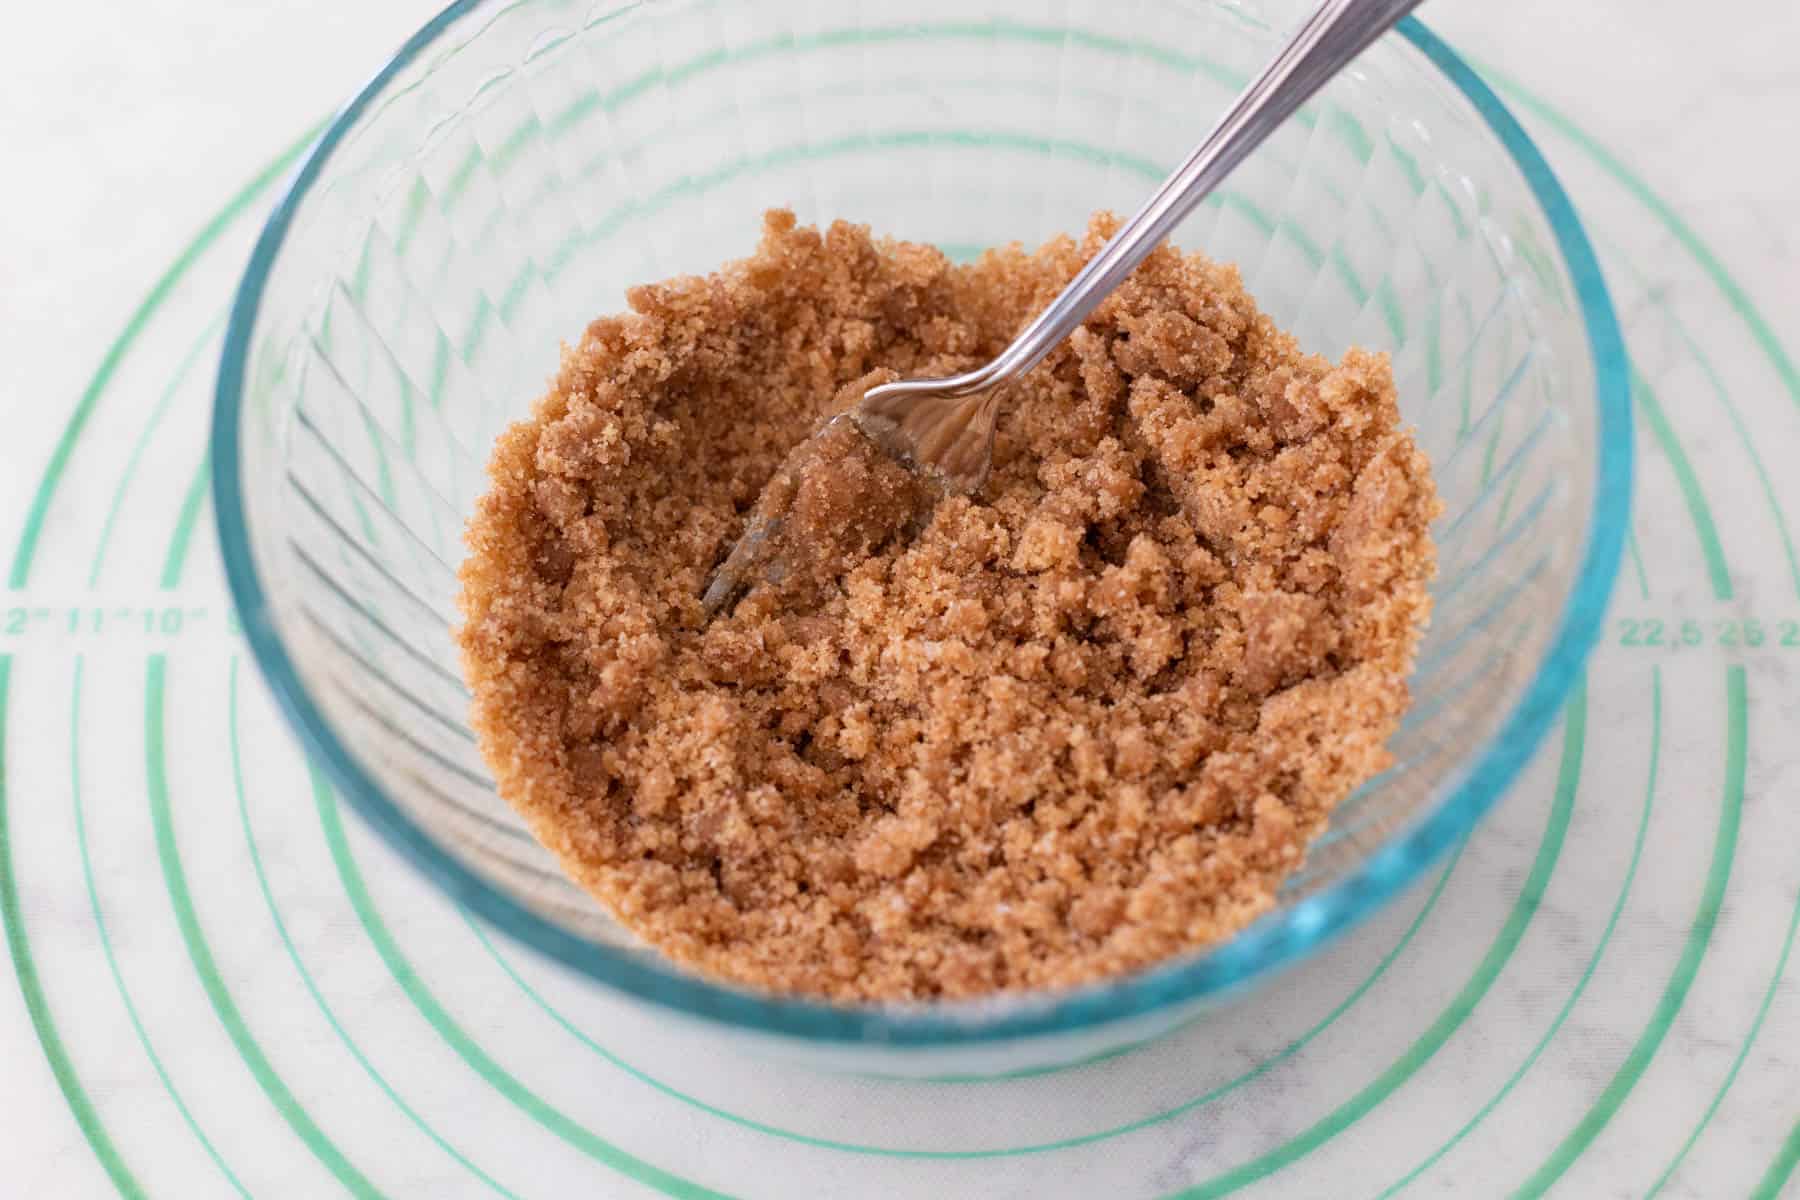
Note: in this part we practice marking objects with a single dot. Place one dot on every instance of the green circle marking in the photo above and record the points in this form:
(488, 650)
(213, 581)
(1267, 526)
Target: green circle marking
(1169, 1114)
(1788, 1155)
(287, 942)
(1612, 920)
(1052, 147)
(81, 1105)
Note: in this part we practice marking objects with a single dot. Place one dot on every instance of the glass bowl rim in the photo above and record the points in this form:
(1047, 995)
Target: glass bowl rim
(1277, 940)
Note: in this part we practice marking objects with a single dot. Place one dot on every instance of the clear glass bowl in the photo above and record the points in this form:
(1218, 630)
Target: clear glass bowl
(516, 166)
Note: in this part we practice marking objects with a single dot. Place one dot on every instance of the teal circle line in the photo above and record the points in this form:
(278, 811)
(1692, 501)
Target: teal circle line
(193, 936)
(1687, 966)
(106, 946)
(1593, 963)
(1660, 303)
(1042, 146)
(200, 954)
(26, 549)
(212, 980)
(175, 882)
(1502, 758)
(465, 1046)
(31, 990)
(43, 1022)
(1037, 145)
(1746, 310)
(1781, 1167)
(139, 446)
(139, 1031)
(293, 953)
(1067, 1143)
(1451, 1017)
(1663, 306)
(145, 436)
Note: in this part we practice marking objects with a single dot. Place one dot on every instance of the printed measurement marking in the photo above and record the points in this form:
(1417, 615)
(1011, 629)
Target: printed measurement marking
(1734, 635)
(121, 621)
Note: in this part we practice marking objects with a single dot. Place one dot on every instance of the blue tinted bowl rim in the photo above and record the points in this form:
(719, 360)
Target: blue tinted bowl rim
(1278, 940)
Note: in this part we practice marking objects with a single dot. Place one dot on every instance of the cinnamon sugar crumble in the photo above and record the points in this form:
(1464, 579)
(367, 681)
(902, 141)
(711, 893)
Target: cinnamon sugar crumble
(1083, 720)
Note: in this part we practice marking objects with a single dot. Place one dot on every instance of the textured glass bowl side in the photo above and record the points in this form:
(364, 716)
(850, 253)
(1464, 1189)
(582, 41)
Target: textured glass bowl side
(512, 169)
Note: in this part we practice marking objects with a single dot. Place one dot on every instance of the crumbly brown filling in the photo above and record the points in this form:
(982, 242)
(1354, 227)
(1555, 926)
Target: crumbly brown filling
(1083, 720)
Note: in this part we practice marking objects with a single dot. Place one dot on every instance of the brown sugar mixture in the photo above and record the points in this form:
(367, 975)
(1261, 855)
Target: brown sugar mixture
(1084, 719)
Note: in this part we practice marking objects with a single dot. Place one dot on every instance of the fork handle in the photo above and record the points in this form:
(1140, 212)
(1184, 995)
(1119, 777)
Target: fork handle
(1335, 33)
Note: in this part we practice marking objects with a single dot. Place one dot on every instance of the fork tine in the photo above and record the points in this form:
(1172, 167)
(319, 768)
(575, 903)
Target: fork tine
(733, 577)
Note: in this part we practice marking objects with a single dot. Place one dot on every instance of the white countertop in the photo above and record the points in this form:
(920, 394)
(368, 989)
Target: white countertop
(1599, 999)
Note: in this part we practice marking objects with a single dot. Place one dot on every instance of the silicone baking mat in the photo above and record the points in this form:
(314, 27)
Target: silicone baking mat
(235, 988)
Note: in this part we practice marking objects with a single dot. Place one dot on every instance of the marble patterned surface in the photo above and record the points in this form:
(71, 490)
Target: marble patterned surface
(219, 984)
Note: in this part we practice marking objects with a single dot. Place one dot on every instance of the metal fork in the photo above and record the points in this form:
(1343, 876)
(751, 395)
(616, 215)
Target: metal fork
(944, 428)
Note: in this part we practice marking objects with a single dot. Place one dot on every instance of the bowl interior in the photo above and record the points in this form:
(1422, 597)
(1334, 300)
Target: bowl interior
(519, 166)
